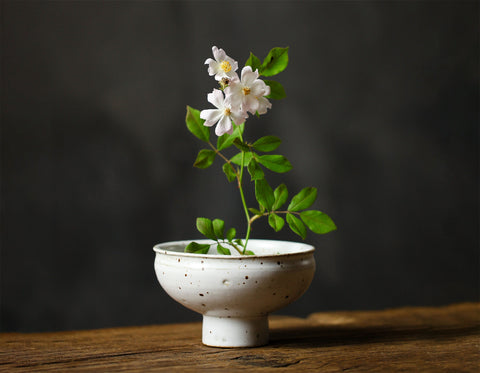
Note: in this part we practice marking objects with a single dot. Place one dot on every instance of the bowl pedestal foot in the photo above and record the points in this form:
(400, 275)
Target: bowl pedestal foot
(223, 331)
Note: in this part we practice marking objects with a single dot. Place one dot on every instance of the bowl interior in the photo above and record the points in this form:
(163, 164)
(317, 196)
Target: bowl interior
(261, 248)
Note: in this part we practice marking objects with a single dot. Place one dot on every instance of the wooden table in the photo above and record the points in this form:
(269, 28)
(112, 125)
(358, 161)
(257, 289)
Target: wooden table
(444, 339)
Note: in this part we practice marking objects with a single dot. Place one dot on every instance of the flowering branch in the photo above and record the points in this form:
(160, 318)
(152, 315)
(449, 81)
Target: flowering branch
(236, 98)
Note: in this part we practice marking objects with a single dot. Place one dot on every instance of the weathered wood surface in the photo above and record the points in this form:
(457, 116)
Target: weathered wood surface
(444, 339)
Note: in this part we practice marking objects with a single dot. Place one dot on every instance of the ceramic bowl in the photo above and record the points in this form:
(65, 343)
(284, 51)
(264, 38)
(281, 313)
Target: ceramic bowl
(235, 293)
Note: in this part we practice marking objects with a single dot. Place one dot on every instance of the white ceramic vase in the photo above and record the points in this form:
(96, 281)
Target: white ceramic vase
(235, 293)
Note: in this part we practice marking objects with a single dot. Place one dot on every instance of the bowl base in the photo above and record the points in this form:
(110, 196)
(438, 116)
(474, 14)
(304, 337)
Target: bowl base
(224, 331)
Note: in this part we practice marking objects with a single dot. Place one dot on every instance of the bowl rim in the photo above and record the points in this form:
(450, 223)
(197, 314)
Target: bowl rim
(309, 249)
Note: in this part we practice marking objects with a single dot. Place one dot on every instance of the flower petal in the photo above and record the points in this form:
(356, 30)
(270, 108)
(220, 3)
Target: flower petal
(230, 131)
(238, 116)
(216, 98)
(211, 116)
(248, 76)
(258, 88)
(234, 96)
(251, 104)
(233, 64)
(219, 54)
(267, 90)
(212, 67)
(264, 104)
(224, 125)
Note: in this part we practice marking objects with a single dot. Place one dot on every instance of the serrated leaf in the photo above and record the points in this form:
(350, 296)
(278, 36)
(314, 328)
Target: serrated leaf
(256, 173)
(317, 221)
(296, 225)
(195, 124)
(276, 222)
(228, 171)
(267, 143)
(237, 158)
(281, 196)
(277, 92)
(231, 234)
(275, 62)
(303, 200)
(205, 158)
(219, 228)
(197, 248)
(205, 227)
(223, 250)
(275, 163)
(264, 194)
(254, 62)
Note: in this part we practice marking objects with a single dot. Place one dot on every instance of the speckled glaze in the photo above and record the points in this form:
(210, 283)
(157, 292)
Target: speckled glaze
(235, 293)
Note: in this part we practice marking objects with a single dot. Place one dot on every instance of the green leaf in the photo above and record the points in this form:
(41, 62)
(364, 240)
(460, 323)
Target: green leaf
(277, 92)
(195, 124)
(255, 211)
(253, 61)
(197, 248)
(240, 128)
(248, 252)
(255, 170)
(219, 228)
(267, 143)
(227, 140)
(205, 158)
(281, 195)
(275, 163)
(303, 200)
(228, 171)
(275, 62)
(296, 225)
(264, 194)
(205, 227)
(231, 234)
(222, 250)
(276, 222)
(317, 221)
(241, 145)
(237, 158)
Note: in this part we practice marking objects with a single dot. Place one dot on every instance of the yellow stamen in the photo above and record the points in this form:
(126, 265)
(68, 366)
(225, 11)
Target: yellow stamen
(225, 66)
(246, 91)
(227, 112)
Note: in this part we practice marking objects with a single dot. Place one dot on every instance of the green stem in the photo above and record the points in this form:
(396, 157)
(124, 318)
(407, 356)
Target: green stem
(244, 203)
(255, 217)
(223, 157)
(242, 196)
(236, 247)
(240, 188)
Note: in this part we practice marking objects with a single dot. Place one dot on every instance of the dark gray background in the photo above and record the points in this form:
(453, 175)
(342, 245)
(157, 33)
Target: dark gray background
(96, 162)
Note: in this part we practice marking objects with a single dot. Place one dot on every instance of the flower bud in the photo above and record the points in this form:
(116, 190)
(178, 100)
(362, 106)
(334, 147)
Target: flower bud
(224, 83)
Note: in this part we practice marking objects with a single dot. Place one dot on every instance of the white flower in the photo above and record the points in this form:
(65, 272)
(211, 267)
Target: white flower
(263, 105)
(249, 91)
(222, 66)
(224, 113)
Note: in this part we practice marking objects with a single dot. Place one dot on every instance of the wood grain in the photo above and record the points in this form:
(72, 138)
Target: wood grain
(444, 339)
